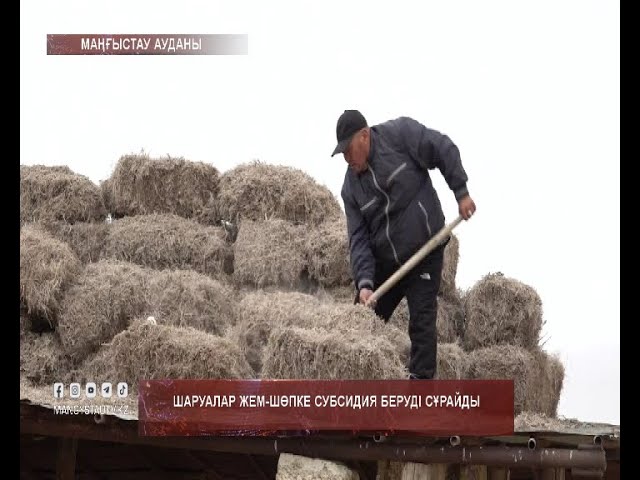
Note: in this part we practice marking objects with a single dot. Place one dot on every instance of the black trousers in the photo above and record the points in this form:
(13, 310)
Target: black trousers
(420, 286)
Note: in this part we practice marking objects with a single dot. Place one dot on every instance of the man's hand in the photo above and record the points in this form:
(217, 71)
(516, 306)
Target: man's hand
(365, 293)
(466, 207)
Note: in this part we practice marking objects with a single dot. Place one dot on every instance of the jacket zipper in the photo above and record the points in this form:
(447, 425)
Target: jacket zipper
(386, 213)
(426, 217)
(396, 172)
(368, 204)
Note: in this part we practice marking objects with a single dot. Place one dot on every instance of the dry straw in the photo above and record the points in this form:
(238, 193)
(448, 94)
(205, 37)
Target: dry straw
(327, 252)
(261, 313)
(301, 353)
(270, 252)
(450, 268)
(57, 193)
(86, 239)
(169, 241)
(149, 351)
(142, 185)
(42, 360)
(501, 310)
(187, 298)
(259, 191)
(104, 300)
(47, 268)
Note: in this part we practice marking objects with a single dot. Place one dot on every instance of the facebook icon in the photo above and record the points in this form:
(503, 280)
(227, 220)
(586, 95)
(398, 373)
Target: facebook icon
(58, 390)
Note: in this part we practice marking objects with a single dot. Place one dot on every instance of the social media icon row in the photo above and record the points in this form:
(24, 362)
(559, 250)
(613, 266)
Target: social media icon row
(91, 390)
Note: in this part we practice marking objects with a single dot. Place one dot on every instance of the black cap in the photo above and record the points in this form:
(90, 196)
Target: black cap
(349, 123)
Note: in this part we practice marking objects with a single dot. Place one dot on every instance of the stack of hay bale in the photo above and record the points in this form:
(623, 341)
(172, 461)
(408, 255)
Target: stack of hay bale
(245, 265)
(502, 336)
(87, 283)
(246, 275)
(290, 259)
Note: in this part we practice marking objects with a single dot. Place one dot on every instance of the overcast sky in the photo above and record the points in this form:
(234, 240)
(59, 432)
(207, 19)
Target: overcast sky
(529, 91)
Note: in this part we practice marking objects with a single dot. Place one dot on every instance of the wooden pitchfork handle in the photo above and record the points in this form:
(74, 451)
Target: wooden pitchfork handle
(426, 249)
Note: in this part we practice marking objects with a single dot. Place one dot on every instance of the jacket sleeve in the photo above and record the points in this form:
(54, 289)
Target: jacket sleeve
(362, 261)
(432, 149)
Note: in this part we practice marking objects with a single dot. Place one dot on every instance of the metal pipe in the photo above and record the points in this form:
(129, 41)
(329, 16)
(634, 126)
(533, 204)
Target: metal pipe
(379, 438)
(490, 455)
(39, 421)
(454, 440)
(531, 443)
(597, 440)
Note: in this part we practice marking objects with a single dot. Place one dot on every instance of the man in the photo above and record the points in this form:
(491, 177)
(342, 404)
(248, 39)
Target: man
(392, 210)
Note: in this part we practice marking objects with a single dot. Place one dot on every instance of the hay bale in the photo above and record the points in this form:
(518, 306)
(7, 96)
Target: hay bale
(327, 251)
(270, 253)
(258, 191)
(57, 193)
(187, 298)
(506, 362)
(42, 360)
(452, 362)
(300, 353)
(258, 315)
(86, 239)
(450, 268)
(400, 316)
(555, 379)
(501, 310)
(450, 316)
(150, 352)
(169, 241)
(141, 185)
(399, 339)
(296, 467)
(102, 302)
(548, 377)
(343, 294)
(261, 313)
(47, 268)
(460, 315)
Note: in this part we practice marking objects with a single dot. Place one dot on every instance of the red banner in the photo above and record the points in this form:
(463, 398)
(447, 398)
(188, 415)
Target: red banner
(299, 407)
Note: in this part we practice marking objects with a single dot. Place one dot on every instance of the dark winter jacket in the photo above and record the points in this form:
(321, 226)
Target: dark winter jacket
(392, 208)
